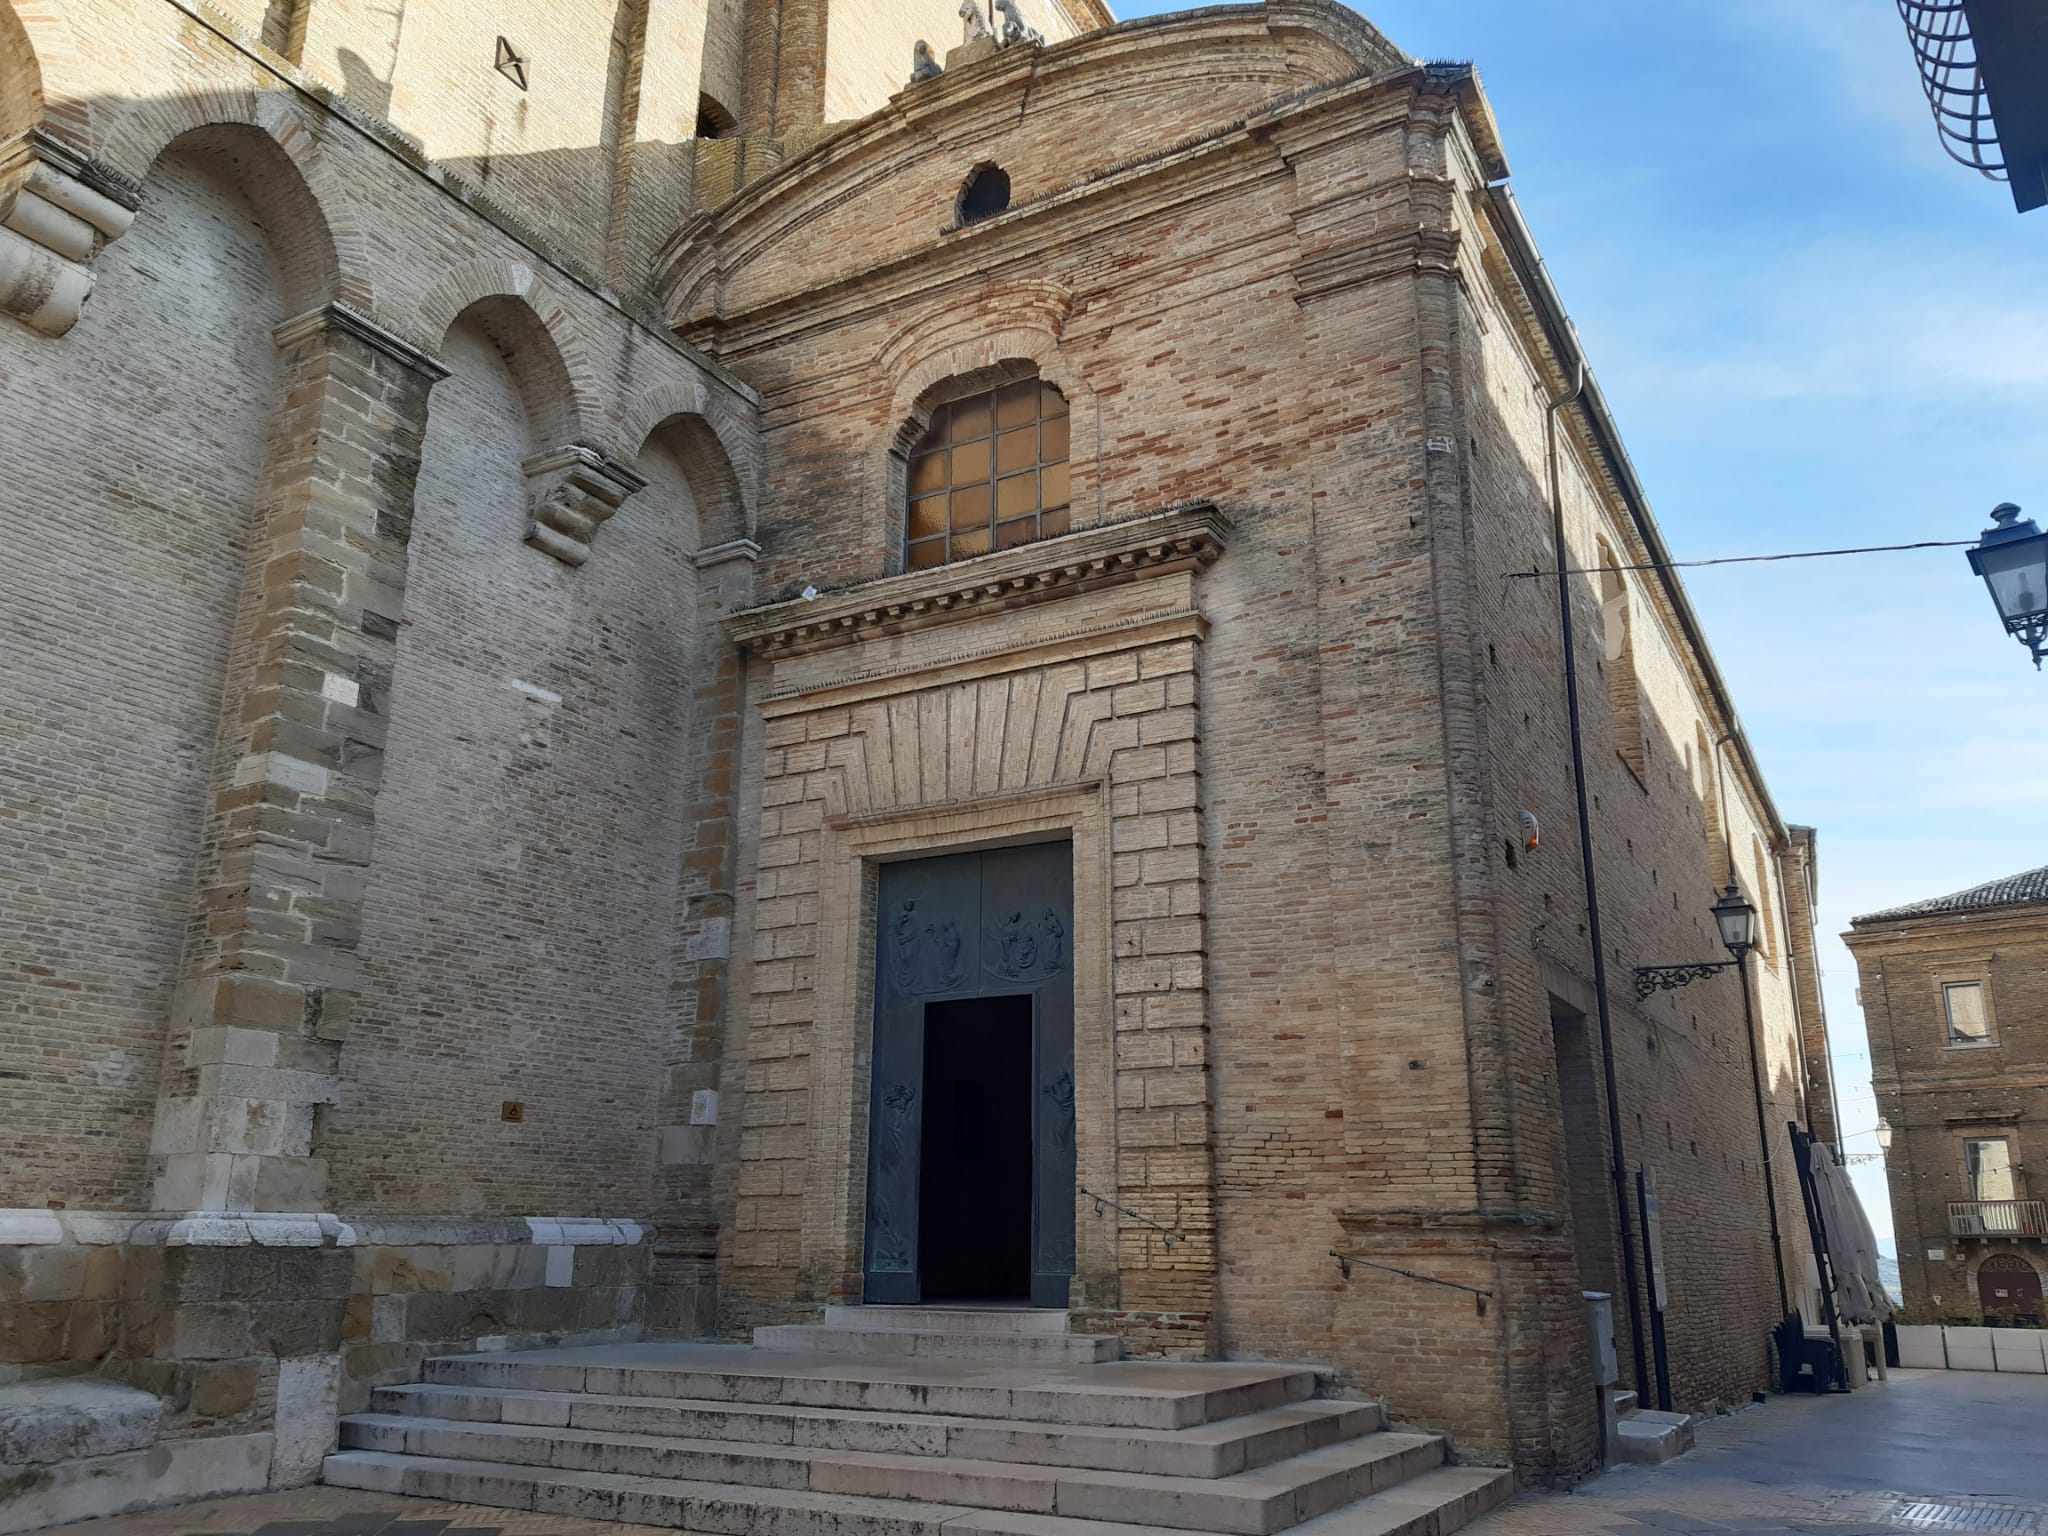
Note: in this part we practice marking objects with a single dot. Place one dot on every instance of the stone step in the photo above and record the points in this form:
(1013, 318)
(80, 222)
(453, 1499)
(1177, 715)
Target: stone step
(1149, 1394)
(637, 1500)
(940, 1344)
(876, 1319)
(481, 1463)
(1437, 1503)
(1203, 1450)
(1434, 1504)
(1651, 1438)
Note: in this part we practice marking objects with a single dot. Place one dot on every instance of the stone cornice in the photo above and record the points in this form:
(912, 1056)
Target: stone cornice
(1182, 538)
(1345, 52)
(721, 554)
(980, 662)
(339, 318)
(2013, 926)
(1407, 250)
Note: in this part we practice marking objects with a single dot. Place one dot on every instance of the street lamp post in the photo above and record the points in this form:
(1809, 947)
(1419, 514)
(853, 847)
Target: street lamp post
(1735, 918)
(2012, 557)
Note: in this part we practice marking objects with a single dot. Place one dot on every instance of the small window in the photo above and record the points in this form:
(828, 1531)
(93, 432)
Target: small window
(989, 473)
(1963, 1003)
(713, 121)
(1989, 1164)
(1618, 652)
(986, 194)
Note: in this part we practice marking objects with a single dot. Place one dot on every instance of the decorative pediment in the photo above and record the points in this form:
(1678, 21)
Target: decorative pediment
(1188, 537)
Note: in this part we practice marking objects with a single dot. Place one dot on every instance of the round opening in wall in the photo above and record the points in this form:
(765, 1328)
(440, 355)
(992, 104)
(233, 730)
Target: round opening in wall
(985, 194)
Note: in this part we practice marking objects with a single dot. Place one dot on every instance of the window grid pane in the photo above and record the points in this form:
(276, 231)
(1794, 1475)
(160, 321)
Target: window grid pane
(990, 473)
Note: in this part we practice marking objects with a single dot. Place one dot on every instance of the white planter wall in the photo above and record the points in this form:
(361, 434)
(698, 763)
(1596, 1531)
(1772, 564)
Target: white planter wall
(1927, 1347)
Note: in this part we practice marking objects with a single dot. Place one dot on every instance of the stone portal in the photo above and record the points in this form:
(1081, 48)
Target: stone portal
(971, 1128)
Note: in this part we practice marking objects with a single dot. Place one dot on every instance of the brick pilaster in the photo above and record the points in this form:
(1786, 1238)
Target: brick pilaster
(686, 1244)
(270, 974)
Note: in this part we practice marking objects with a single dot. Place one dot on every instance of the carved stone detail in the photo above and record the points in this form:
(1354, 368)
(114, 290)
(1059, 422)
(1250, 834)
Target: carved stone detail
(1108, 554)
(1015, 28)
(924, 64)
(570, 491)
(56, 213)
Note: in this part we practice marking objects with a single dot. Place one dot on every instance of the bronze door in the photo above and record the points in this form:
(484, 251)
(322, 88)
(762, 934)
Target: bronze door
(971, 1115)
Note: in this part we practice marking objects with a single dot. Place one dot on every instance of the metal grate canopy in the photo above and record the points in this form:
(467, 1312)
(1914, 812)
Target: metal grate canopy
(1947, 56)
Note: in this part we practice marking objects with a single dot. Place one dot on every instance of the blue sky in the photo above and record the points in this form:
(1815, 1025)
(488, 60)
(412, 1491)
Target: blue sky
(1816, 330)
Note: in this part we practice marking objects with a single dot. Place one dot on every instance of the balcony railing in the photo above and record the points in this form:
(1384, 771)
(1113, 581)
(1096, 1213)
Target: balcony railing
(1998, 1218)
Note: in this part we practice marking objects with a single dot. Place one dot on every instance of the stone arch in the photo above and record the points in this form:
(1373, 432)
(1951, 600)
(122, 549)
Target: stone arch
(577, 413)
(654, 405)
(272, 152)
(39, 66)
(722, 513)
(535, 360)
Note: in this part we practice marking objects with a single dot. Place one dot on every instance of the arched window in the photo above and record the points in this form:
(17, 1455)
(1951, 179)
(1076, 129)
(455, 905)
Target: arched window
(989, 473)
(985, 194)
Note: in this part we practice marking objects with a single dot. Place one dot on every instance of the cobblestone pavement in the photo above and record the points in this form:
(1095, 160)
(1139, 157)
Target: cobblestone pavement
(1929, 1451)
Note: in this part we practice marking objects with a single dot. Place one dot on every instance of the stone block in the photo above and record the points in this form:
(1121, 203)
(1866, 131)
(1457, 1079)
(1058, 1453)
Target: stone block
(53, 1273)
(171, 1473)
(57, 1420)
(224, 1390)
(308, 1390)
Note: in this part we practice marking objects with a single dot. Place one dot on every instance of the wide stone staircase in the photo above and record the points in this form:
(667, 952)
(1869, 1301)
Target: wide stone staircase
(974, 1422)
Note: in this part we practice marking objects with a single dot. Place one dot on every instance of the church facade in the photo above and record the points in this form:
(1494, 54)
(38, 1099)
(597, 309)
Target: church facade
(658, 679)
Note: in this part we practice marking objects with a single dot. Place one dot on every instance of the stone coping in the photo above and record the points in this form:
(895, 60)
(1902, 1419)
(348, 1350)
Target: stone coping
(1191, 535)
(309, 1229)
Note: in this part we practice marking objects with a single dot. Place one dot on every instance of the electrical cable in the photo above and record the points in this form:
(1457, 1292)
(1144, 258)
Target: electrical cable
(1802, 554)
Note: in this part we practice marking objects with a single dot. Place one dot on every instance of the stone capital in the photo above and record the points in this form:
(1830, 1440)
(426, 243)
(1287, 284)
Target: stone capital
(714, 555)
(570, 490)
(338, 319)
(56, 212)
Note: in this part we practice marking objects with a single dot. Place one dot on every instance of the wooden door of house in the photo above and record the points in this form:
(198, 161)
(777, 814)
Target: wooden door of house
(2009, 1288)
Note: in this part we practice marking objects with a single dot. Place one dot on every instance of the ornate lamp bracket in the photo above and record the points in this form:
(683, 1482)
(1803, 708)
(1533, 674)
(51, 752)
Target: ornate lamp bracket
(1662, 978)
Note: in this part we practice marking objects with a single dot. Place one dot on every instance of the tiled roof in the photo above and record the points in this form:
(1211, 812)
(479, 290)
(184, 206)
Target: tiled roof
(2013, 891)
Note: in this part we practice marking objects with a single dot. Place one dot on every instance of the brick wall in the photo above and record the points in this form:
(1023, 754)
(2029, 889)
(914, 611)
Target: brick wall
(533, 754)
(117, 657)
(1378, 705)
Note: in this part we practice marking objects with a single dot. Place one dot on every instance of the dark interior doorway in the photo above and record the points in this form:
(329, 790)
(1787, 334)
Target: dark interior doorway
(974, 1187)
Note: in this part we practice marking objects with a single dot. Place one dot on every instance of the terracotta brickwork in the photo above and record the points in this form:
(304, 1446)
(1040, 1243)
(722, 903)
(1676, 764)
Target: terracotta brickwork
(1382, 962)
(470, 687)
(1941, 1089)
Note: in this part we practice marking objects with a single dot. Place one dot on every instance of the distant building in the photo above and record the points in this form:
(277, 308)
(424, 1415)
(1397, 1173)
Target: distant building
(1953, 993)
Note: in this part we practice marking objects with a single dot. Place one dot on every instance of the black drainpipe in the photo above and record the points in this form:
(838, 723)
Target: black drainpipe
(1618, 1159)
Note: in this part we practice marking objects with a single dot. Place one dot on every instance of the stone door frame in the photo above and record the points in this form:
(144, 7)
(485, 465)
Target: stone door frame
(854, 849)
